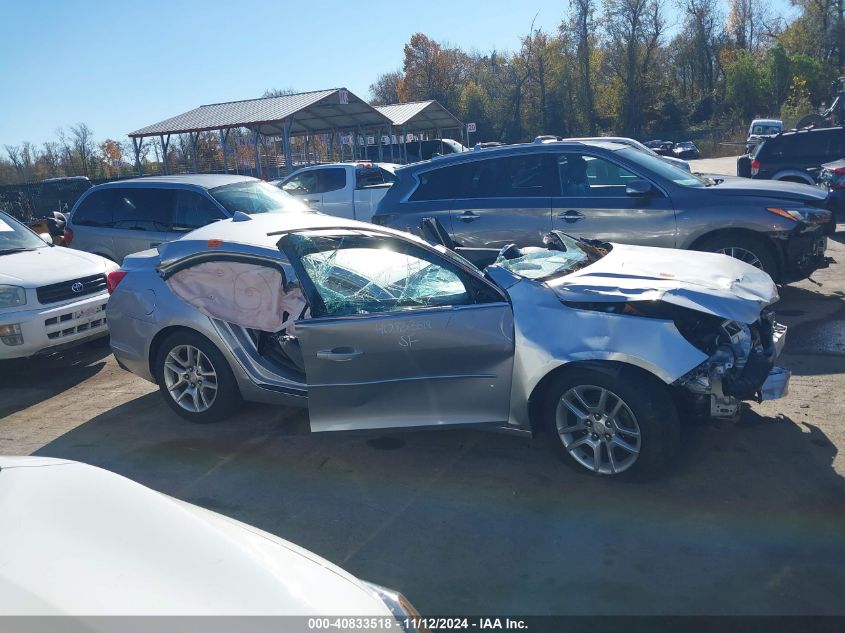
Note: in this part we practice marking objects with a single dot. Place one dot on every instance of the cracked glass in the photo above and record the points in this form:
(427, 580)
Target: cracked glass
(362, 275)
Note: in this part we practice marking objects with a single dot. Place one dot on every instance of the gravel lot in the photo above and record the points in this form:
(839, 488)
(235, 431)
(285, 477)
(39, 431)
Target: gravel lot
(752, 520)
(725, 166)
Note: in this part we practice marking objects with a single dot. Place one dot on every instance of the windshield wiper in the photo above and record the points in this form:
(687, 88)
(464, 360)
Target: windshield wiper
(7, 251)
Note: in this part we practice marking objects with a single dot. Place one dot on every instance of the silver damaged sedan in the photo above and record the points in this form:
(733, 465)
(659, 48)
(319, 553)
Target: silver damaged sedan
(370, 328)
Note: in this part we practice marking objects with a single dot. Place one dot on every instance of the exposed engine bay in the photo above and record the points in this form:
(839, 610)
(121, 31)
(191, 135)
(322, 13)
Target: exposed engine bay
(741, 357)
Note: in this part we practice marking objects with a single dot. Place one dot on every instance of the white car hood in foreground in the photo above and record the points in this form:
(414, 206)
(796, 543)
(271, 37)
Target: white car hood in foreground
(707, 282)
(79, 540)
(44, 266)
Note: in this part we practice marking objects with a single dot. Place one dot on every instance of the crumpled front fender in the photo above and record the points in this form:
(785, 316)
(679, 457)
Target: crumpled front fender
(550, 334)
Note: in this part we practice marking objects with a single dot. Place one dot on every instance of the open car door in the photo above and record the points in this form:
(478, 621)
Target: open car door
(400, 335)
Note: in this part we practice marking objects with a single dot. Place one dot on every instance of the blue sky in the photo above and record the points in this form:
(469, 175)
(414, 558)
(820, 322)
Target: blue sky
(119, 66)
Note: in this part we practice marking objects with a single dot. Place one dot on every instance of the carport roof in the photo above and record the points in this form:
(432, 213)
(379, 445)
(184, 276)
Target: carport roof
(315, 112)
(420, 115)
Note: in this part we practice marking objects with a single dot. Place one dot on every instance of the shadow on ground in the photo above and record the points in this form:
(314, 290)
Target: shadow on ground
(752, 520)
(28, 381)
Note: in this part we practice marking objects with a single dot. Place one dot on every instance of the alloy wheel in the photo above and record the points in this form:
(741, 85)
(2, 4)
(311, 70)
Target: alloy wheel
(598, 429)
(743, 255)
(190, 378)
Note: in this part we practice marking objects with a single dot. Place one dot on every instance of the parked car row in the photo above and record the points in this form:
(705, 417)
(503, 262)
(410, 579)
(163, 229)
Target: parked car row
(686, 150)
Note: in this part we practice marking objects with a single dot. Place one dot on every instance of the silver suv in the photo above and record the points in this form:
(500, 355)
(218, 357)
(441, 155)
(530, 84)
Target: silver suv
(127, 216)
(607, 191)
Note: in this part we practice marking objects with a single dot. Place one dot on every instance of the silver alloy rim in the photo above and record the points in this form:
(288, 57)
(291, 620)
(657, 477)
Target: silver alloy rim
(598, 429)
(190, 378)
(742, 255)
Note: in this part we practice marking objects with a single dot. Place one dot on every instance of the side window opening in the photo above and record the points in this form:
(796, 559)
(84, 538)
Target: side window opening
(522, 176)
(331, 179)
(246, 294)
(96, 210)
(252, 296)
(143, 209)
(192, 210)
(584, 175)
(305, 182)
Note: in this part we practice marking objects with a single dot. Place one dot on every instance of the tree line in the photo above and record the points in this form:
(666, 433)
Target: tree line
(635, 68)
(628, 67)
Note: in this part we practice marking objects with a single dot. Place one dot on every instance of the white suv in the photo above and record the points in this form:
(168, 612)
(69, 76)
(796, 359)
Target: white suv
(50, 296)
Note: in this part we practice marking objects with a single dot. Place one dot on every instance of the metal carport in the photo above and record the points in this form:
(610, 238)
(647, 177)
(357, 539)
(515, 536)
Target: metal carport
(421, 116)
(320, 112)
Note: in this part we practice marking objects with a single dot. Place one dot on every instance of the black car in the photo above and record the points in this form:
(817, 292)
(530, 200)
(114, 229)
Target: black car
(611, 192)
(686, 150)
(60, 194)
(664, 148)
(795, 156)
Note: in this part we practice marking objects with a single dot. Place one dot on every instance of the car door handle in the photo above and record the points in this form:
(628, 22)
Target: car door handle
(570, 216)
(468, 216)
(339, 354)
(310, 200)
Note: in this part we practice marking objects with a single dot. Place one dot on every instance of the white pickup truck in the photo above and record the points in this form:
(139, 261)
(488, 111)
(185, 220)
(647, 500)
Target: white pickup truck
(347, 190)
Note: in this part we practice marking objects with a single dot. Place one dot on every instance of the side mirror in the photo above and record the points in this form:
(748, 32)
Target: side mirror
(46, 237)
(638, 189)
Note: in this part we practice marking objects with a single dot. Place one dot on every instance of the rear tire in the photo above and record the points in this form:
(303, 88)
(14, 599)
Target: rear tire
(744, 248)
(195, 379)
(623, 425)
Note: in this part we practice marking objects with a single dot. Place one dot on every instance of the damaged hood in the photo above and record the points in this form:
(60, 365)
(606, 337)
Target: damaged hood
(706, 282)
(780, 189)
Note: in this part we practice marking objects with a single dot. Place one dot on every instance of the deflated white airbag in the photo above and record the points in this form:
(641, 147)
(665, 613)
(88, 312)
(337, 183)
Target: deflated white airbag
(248, 295)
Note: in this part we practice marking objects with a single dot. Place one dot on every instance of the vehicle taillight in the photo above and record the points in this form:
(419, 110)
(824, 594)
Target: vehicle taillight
(839, 171)
(68, 236)
(755, 167)
(114, 278)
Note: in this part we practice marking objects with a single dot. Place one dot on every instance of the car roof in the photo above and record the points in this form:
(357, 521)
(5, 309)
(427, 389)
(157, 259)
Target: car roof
(508, 150)
(265, 229)
(206, 181)
(767, 122)
(791, 133)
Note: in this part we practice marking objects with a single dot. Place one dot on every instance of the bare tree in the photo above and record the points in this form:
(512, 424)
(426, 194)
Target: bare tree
(14, 154)
(82, 140)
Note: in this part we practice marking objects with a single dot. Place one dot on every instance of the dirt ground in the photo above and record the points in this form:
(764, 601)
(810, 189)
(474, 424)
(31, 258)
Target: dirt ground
(751, 521)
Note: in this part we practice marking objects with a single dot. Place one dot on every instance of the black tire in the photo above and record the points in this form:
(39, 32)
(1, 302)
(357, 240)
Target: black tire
(726, 242)
(227, 398)
(646, 398)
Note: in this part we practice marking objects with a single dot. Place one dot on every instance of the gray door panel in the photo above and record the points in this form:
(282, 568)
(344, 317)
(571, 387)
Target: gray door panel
(496, 222)
(423, 367)
(628, 220)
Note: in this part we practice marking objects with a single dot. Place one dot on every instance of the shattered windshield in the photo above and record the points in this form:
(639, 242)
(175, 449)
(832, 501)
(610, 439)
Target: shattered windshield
(564, 255)
(360, 275)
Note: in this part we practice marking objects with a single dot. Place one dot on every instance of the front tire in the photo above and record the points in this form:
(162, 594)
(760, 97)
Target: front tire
(744, 248)
(621, 424)
(195, 379)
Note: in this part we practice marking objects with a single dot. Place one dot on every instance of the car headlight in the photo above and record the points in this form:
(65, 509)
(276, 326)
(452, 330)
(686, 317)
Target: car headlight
(398, 605)
(12, 296)
(796, 215)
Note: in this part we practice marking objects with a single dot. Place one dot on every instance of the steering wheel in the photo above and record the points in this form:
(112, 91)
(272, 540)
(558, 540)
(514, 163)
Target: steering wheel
(509, 251)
